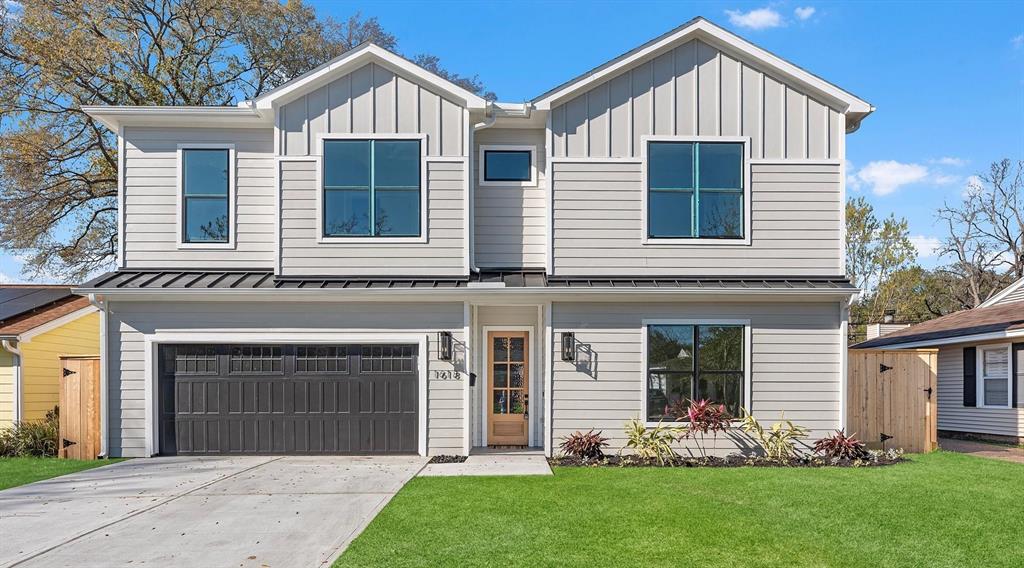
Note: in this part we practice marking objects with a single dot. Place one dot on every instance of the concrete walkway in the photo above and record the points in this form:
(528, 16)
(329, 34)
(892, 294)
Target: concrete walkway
(499, 462)
(248, 512)
(981, 449)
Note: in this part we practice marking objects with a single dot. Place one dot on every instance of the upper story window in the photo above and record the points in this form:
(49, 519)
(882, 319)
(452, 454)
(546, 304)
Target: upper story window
(371, 188)
(205, 193)
(508, 165)
(695, 190)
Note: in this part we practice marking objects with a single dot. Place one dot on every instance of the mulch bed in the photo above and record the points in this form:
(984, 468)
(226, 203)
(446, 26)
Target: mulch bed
(447, 459)
(735, 460)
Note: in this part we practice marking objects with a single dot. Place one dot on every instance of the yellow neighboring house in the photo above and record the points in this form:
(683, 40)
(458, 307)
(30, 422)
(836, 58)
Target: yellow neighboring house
(38, 326)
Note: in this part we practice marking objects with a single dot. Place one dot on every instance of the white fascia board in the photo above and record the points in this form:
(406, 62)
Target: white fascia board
(115, 117)
(976, 338)
(352, 60)
(53, 324)
(1002, 294)
(705, 30)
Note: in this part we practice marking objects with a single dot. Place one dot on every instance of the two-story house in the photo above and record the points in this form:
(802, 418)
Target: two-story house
(371, 259)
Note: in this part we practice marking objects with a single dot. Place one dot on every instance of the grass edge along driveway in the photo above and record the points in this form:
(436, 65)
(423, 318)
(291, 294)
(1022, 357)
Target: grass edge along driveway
(22, 471)
(940, 509)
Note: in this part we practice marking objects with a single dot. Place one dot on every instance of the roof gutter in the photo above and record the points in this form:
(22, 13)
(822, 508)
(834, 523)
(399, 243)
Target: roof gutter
(15, 350)
(1007, 334)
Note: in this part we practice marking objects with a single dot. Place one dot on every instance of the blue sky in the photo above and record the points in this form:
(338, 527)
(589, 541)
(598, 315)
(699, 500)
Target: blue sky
(947, 78)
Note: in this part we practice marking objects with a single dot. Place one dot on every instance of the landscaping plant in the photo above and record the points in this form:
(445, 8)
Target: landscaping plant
(839, 446)
(779, 441)
(704, 417)
(584, 446)
(651, 443)
(38, 438)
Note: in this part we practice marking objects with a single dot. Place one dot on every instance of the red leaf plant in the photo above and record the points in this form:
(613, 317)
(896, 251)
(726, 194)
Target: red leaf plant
(704, 417)
(840, 446)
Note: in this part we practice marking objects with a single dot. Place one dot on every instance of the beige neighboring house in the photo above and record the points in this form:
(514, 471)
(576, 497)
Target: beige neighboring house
(371, 259)
(981, 364)
(38, 326)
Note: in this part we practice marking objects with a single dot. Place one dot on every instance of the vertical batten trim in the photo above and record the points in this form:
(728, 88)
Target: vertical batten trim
(629, 115)
(651, 104)
(121, 149)
(467, 188)
(394, 96)
(439, 117)
(739, 97)
(807, 129)
(762, 117)
(842, 195)
(674, 128)
(549, 205)
(696, 88)
(718, 96)
(306, 131)
(416, 112)
(586, 126)
(549, 370)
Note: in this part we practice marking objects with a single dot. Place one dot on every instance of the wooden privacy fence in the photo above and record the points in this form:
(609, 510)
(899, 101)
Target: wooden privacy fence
(79, 408)
(891, 398)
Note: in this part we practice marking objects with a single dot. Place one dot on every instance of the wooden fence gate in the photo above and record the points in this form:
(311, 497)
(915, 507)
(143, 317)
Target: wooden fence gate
(79, 408)
(891, 398)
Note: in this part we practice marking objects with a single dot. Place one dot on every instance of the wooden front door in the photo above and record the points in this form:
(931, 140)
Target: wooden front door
(508, 360)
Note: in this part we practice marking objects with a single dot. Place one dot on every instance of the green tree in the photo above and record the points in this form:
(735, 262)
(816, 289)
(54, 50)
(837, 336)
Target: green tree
(58, 167)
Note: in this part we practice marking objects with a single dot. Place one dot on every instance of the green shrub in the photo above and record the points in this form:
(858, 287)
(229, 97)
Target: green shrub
(38, 438)
(777, 442)
(651, 443)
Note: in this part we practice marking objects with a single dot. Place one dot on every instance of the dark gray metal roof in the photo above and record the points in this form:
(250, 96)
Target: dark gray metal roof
(16, 300)
(265, 280)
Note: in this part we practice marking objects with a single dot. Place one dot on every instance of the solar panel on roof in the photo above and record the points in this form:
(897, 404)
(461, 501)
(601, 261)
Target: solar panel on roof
(15, 301)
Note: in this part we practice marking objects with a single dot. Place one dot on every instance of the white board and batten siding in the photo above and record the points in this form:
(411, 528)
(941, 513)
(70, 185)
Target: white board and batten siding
(696, 89)
(129, 322)
(371, 100)
(442, 254)
(795, 363)
(955, 417)
(510, 221)
(796, 225)
(151, 199)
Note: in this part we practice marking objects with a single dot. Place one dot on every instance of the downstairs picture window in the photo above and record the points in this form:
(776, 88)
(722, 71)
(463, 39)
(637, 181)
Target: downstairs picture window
(694, 362)
(371, 188)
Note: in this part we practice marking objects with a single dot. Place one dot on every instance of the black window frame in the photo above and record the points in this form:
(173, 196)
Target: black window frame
(695, 372)
(529, 166)
(372, 189)
(228, 197)
(695, 191)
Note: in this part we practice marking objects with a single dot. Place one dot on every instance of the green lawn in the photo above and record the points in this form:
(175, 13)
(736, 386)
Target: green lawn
(941, 509)
(19, 471)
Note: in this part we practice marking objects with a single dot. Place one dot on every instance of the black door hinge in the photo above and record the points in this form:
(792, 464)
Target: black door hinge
(882, 367)
(68, 372)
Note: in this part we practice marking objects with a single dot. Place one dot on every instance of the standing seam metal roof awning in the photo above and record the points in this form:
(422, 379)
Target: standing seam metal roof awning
(157, 280)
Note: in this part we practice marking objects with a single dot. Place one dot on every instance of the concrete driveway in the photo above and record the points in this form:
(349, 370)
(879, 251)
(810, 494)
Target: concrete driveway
(256, 512)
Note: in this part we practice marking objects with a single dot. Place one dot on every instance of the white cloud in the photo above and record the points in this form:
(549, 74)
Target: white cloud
(944, 179)
(1018, 41)
(759, 19)
(805, 12)
(886, 176)
(926, 246)
(949, 161)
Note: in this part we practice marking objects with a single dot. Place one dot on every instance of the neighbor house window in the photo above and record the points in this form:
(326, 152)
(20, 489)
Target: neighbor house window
(507, 165)
(695, 190)
(205, 188)
(994, 375)
(371, 188)
(694, 362)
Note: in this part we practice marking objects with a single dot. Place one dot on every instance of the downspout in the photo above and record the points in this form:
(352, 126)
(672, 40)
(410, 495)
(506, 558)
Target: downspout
(99, 302)
(489, 118)
(14, 350)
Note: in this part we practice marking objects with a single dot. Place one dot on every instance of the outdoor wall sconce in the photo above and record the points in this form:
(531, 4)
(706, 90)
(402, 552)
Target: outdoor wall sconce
(444, 343)
(568, 346)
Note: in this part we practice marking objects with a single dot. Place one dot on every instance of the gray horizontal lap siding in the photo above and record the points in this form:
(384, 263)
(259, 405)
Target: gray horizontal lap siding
(796, 222)
(151, 198)
(443, 254)
(696, 89)
(129, 321)
(510, 225)
(954, 416)
(371, 99)
(795, 363)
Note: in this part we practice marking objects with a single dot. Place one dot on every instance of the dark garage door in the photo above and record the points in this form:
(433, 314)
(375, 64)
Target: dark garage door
(288, 399)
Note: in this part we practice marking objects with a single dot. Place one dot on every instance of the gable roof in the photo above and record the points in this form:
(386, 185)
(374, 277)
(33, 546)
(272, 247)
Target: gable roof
(966, 325)
(1002, 294)
(353, 59)
(24, 308)
(700, 28)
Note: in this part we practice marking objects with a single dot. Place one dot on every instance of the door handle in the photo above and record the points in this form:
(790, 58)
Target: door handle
(526, 405)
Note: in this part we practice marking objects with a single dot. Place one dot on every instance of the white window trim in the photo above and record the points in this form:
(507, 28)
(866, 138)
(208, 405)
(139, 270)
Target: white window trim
(484, 148)
(747, 192)
(153, 341)
(180, 215)
(643, 358)
(980, 374)
(321, 239)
